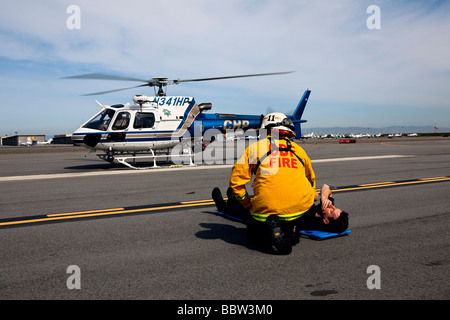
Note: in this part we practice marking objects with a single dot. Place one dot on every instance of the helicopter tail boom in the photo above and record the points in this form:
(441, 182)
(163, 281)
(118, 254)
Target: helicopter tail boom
(298, 113)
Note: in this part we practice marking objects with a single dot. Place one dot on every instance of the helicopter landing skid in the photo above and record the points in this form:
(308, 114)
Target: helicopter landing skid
(125, 160)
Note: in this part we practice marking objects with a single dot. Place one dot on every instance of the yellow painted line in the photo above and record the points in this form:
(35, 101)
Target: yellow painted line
(94, 213)
(187, 204)
(83, 212)
(376, 184)
(436, 179)
(362, 187)
(389, 184)
(357, 188)
(409, 182)
(196, 201)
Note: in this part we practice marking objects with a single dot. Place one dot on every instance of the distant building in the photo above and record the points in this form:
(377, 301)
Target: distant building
(22, 139)
(62, 139)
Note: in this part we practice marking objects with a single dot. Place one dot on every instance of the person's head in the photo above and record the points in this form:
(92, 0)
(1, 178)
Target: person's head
(332, 219)
(279, 122)
(330, 213)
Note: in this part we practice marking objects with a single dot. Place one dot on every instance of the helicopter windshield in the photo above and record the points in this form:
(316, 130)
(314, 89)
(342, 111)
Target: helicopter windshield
(100, 121)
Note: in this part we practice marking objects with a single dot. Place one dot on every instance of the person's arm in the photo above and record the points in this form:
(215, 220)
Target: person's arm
(309, 172)
(241, 174)
(325, 193)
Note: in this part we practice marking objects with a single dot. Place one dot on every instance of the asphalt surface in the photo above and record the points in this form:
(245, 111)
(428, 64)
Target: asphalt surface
(153, 234)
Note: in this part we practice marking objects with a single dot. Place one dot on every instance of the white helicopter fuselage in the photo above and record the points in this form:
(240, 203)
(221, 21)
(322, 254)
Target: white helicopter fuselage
(151, 123)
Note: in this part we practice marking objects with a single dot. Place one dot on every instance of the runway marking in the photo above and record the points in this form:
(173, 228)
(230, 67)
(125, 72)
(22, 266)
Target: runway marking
(54, 217)
(98, 213)
(166, 169)
(374, 184)
(391, 184)
(196, 201)
(83, 212)
(392, 156)
(437, 178)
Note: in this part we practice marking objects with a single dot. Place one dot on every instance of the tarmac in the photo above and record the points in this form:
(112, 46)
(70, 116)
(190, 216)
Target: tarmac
(154, 234)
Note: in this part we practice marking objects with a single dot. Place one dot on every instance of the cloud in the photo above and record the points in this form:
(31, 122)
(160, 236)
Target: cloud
(327, 43)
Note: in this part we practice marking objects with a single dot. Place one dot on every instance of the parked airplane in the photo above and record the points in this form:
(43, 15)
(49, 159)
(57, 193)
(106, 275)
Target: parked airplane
(30, 142)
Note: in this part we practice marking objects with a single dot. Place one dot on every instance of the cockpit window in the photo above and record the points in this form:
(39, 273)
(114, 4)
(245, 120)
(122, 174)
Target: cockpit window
(122, 121)
(101, 121)
(144, 120)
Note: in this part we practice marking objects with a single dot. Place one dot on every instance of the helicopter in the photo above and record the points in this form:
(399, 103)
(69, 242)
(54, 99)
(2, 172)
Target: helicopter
(137, 131)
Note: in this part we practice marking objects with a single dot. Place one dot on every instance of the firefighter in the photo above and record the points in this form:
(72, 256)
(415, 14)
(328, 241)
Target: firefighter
(284, 185)
(285, 198)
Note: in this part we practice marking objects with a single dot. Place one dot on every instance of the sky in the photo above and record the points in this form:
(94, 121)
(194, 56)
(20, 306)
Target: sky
(364, 68)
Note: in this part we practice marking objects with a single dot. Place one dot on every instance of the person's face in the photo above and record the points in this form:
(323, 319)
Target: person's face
(330, 212)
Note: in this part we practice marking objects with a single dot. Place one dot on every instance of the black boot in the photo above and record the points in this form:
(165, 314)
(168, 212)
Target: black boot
(218, 199)
(279, 240)
(292, 234)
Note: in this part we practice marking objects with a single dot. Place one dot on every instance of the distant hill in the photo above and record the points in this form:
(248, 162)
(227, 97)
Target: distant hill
(385, 130)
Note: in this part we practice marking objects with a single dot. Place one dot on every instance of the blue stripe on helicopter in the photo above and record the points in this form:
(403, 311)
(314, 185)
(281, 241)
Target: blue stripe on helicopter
(127, 132)
(144, 139)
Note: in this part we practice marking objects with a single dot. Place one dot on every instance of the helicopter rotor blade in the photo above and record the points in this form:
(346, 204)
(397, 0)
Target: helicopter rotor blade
(230, 77)
(110, 91)
(101, 76)
(156, 82)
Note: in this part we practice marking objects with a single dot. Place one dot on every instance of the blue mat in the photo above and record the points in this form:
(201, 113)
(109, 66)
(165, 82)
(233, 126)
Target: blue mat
(228, 216)
(321, 235)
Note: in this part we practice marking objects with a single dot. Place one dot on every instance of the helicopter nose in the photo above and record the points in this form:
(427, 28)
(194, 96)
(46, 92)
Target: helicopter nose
(91, 140)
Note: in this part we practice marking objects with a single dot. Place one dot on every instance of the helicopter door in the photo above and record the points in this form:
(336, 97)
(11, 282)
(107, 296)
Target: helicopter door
(121, 123)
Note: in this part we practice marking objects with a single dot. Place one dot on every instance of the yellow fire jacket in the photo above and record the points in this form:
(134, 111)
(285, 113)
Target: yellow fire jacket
(284, 181)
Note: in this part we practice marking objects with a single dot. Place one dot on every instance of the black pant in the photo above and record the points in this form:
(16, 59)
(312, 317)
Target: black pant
(234, 209)
(257, 230)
